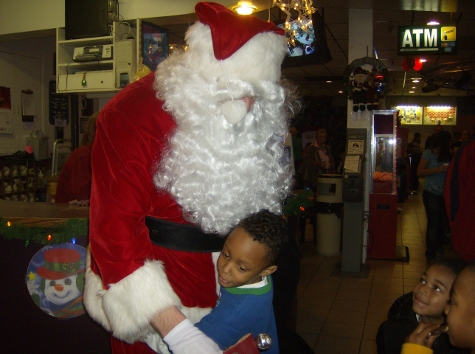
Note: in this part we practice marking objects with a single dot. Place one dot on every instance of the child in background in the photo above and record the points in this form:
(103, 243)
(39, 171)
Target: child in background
(460, 314)
(244, 267)
(426, 304)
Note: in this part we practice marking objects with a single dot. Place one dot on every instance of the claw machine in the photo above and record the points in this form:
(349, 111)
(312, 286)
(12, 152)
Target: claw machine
(383, 199)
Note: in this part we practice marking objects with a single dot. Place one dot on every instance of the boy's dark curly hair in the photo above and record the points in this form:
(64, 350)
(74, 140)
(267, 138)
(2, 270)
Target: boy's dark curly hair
(453, 264)
(269, 229)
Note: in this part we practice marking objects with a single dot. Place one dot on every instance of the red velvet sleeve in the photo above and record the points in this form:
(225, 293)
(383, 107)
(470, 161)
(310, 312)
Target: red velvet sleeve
(130, 136)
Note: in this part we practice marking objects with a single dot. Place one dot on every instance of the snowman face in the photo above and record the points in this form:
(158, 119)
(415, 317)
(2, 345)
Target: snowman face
(61, 291)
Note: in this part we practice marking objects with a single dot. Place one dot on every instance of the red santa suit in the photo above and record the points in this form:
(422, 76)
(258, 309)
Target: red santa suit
(459, 196)
(125, 284)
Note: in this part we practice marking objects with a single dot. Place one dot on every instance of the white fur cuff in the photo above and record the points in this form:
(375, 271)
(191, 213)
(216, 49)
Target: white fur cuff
(130, 304)
(92, 298)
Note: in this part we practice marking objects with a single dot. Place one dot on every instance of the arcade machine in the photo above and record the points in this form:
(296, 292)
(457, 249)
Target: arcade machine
(383, 199)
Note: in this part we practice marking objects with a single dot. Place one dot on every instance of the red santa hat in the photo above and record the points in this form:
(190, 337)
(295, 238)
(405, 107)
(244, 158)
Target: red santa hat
(230, 31)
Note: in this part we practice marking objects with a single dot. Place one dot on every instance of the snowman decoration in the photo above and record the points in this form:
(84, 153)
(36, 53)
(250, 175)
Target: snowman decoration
(62, 282)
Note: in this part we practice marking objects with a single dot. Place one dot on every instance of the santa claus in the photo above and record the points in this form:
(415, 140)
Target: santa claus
(179, 158)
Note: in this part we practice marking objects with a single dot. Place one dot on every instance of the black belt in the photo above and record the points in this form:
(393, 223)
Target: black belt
(182, 237)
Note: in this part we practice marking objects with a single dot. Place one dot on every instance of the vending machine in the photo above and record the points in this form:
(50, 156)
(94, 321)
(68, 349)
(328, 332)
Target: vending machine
(383, 199)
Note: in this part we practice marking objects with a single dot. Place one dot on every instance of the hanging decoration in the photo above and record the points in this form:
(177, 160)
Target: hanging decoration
(366, 81)
(56, 234)
(55, 279)
(411, 63)
(297, 24)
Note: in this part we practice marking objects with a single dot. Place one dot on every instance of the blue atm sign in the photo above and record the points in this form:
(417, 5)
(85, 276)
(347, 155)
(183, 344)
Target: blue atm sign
(427, 39)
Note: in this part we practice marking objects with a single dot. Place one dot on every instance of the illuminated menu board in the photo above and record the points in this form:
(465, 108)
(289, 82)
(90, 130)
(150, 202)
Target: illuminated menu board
(410, 114)
(440, 115)
(431, 115)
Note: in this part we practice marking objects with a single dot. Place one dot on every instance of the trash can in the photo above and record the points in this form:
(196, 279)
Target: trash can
(329, 205)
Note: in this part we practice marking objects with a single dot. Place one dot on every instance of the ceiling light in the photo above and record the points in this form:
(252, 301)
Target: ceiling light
(433, 23)
(244, 8)
(422, 60)
(328, 81)
(412, 91)
(415, 81)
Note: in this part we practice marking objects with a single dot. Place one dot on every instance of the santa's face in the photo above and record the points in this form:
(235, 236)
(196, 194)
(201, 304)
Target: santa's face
(61, 291)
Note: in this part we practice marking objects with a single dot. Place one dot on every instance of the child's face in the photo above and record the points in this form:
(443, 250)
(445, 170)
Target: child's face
(432, 293)
(461, 311)
(242, 260)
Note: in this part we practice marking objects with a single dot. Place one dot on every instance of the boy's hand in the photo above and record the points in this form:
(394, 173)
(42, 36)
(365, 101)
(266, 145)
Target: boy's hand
(425, 334)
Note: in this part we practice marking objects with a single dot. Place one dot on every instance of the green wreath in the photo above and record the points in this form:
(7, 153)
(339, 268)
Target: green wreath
(377, 64)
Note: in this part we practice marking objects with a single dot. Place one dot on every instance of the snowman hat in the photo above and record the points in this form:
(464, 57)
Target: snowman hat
(60, 263)
(231, 31)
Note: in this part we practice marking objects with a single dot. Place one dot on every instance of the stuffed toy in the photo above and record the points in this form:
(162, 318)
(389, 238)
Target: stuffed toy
(359, 86)
(372, 93)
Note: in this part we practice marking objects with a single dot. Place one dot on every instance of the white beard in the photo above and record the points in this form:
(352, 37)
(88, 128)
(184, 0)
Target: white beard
(219, 172)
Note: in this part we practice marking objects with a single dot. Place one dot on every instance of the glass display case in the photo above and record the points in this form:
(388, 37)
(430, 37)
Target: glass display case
(384, 150)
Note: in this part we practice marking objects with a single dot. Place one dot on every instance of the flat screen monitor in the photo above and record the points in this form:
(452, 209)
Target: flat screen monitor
(310, 46)
(86, 18)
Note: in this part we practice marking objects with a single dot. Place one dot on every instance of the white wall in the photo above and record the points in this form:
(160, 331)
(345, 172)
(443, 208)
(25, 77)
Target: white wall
(27, 65)
(18, 16)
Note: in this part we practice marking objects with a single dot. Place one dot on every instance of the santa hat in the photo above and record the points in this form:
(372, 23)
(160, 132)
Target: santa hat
(230, 31)
(60, 263)
(245, 48)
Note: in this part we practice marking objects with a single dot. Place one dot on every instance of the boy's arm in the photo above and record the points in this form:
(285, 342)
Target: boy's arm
(180, 334)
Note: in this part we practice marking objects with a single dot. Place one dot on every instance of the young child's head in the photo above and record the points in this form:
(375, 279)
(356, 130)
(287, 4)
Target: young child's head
(251, 249)
(461, 310)
(432, 293)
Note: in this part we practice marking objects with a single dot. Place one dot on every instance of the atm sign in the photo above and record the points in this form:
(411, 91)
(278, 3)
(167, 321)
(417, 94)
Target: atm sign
(427, 39)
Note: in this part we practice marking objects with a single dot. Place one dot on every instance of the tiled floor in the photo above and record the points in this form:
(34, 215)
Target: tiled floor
(340, 314)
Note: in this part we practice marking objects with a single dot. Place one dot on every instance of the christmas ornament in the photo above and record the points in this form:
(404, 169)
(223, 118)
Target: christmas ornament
(55, 279)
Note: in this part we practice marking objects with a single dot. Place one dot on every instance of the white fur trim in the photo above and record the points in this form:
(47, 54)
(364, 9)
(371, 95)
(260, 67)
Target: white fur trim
(234, 111)
(259, 59)
(92, 297)
(128, 306)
